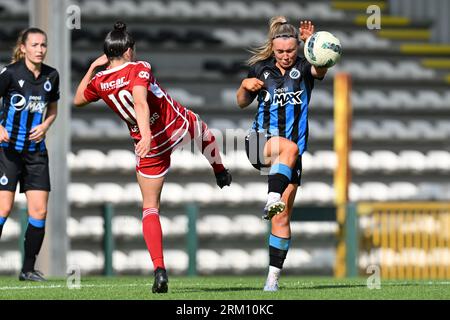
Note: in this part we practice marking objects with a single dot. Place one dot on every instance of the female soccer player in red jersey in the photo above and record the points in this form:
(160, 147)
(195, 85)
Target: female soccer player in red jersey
(157, 124)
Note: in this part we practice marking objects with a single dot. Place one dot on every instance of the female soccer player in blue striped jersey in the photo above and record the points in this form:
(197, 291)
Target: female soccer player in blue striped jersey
(30, 92)
(282, 82)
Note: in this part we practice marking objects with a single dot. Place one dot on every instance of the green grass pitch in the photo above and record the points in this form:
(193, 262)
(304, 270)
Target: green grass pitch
(223, 288)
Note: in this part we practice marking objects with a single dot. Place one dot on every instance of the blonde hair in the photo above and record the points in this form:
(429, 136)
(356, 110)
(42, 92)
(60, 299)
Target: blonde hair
(278, 28)
(17, 54)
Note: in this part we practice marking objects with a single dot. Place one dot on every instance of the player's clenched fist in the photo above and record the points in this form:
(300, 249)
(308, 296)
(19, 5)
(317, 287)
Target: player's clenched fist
(252, 84)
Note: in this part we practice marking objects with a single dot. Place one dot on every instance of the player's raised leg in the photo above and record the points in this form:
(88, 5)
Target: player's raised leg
(151, 227)
(206, 142)
(283, 155)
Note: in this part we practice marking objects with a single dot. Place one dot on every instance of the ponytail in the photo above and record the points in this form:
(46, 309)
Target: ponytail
(278, 28)
(118, 41)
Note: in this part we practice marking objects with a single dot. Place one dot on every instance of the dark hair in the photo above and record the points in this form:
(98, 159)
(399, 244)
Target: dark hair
(23, 36)
(118, 41)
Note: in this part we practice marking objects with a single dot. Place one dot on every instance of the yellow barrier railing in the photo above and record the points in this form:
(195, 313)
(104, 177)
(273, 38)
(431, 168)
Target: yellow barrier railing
(406, 240)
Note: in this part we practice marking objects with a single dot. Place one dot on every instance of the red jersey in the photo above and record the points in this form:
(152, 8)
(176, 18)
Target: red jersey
(168, 118)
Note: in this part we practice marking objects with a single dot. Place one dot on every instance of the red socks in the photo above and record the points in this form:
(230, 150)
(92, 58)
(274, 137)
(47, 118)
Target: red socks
(151, 228)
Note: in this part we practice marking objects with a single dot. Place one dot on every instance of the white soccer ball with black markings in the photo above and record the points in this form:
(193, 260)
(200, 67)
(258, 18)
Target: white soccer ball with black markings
(323, 49)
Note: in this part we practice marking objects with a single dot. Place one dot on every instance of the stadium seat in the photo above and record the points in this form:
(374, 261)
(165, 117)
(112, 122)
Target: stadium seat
(176, 261)
(360, 161)
(438, 160)
(259, 259)
(432, 192)
(255, 192)
(120, 261)
(321, 99)
(11, 229)
(10, 261)
(354, 192)
(173, 194)
(132, 193)
(377, 191)
(128, 227)
(233, 195)
(208, 261)
(182, 159)
(200, 192)
(214, 225)
(110, 128)
(179, 225)
(236, 259)
(156, 9)
(186, 98)
(91, 159)
(384, 160)
(324, 160)
(139, 260)
(123, 160)
(91, 227)
(87, 261)
(403, 191)
(248, 225)
(412, 160)
(364, 129)
(298, 258)
(80, 194)
(316, 192)
(108, 192)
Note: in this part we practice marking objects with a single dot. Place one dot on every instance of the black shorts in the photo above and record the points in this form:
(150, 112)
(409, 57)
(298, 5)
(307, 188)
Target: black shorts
(28, 168)
(254, 147)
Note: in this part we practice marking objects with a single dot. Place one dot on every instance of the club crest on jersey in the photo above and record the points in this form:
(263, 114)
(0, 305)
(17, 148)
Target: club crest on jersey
(4, 180)
(47, 86)
(294, 73)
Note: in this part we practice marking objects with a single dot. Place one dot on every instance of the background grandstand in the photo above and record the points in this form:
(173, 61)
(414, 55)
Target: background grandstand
(400, 139)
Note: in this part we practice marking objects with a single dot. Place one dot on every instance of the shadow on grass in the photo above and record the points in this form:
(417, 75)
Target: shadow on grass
(356, 285)
(205, 289)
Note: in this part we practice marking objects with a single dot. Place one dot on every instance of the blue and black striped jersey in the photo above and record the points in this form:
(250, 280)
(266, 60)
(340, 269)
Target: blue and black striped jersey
(25, 100)
(283, 100)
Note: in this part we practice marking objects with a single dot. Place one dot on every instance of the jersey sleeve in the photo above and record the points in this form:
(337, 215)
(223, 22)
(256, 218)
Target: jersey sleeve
(252, 74)
(90, 93)
(306, 71)
(142, 75)
(5, 81)
(54, 94)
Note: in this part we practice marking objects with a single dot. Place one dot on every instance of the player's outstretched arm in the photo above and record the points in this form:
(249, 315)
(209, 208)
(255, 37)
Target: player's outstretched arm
(79, 100)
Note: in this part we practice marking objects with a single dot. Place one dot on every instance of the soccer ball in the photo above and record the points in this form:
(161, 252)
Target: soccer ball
(322, 49)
